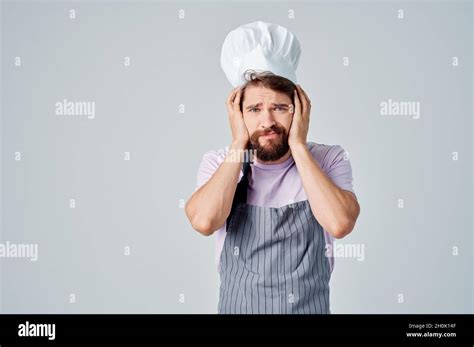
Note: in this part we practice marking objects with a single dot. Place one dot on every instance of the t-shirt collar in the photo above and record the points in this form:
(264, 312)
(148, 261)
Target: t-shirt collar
(279, 166)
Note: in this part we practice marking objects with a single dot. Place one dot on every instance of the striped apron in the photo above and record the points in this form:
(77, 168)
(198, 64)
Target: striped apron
(273, 259)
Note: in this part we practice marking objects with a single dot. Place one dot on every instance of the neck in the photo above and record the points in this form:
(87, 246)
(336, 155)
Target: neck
(281, 160)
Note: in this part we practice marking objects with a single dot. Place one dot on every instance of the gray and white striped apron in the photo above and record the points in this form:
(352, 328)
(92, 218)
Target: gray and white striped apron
(273, 259)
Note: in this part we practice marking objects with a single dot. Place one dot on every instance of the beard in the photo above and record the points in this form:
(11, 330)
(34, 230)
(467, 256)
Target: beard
(274, 148)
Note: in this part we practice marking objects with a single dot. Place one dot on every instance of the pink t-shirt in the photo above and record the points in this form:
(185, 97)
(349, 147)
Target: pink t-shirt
(276, 185)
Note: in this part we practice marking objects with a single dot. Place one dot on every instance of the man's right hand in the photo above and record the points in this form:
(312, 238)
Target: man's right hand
(239, 130)
(210, 205)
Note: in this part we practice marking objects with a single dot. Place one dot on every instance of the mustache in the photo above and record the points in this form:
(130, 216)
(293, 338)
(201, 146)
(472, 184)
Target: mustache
(274, 129)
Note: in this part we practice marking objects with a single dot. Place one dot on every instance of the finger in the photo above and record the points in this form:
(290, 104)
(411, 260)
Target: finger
(304, 93)
(237, 100)
(230, 99)
(297, 103)
(231, 96)
(306, 103)
(304, 100)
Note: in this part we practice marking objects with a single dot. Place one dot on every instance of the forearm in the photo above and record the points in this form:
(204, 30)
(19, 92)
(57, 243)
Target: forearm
(332, 206)
(209, 207)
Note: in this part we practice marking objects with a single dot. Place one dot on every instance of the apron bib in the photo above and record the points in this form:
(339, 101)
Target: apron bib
(273, 259)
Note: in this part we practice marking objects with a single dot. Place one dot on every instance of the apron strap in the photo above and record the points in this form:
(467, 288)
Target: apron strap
(241, 190)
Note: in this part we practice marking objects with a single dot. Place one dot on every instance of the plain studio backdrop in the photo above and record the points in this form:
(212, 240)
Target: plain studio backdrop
(102, 193)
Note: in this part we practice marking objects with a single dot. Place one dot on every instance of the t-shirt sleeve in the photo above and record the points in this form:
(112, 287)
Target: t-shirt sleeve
(338, 167)
(210, 161)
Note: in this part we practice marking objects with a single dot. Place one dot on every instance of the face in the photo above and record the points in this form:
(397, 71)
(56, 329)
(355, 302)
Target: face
(268, 119)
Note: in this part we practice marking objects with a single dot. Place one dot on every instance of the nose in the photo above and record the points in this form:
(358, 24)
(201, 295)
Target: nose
(267, 120)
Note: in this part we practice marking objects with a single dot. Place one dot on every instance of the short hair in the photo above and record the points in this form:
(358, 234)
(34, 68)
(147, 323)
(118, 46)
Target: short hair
(267, 79)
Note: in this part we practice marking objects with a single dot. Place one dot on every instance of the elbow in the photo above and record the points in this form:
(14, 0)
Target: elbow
(203, 227)
(345, 226)
(200, 224)
(341, 229)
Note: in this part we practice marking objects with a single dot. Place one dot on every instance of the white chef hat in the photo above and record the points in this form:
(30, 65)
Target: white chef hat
(260, 46)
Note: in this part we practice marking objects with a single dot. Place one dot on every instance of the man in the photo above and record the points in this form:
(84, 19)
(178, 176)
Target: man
(292, 200)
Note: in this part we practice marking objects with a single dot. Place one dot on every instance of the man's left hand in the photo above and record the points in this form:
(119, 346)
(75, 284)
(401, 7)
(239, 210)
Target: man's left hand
(300, 123)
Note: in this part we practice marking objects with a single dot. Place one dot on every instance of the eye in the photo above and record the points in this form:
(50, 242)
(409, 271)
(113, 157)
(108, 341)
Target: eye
(280, 108)
(253, 109)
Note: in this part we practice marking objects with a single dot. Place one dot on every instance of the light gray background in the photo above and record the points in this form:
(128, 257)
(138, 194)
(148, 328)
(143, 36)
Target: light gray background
(174, 61)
